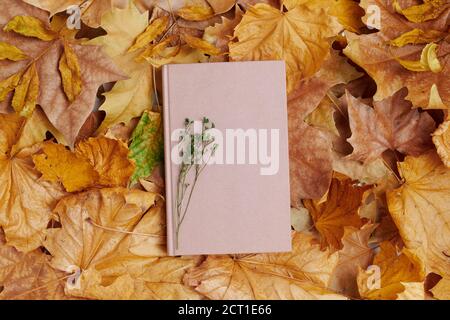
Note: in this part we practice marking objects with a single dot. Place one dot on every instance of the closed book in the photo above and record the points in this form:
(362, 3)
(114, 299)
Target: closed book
(226, 158)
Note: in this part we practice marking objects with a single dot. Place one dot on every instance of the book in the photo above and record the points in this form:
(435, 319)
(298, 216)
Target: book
(226, 158)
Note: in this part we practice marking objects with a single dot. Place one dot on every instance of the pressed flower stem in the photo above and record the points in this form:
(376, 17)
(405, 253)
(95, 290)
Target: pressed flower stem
(195, 141)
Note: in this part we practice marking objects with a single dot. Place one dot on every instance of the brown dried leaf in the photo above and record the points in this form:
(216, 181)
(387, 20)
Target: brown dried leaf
(95, 69)
(310, 148)
(390, 125)
(28, 276)
(355, 254)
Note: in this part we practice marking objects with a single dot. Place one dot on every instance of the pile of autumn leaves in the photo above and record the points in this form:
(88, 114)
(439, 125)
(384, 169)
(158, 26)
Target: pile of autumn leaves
(81, 214)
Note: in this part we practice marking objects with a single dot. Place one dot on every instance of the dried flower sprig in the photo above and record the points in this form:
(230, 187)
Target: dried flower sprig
(198, 147)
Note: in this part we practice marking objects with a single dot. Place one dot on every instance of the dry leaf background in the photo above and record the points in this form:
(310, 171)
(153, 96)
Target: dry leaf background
(81, 192)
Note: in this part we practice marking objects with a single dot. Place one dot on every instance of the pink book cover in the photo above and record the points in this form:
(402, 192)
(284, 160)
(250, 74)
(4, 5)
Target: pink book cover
(226, 151)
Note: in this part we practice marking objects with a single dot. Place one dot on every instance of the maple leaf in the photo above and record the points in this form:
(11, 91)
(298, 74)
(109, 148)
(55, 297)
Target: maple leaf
(81, 214)
(267, 276)
(128, 98)
(101, 235)
(339, 211)
(347, 12)
(28, 276)
(109, 158)
(91, 10)
(390, 125)
(399, 274)
(147, 145)
(355, 254)
(266, 33)
(310, 156)
(26, 201)
(95, 68)
(420, 209)
(98, 161)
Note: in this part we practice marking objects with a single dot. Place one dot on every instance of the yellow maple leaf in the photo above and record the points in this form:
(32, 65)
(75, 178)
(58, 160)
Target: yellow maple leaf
(109, 158)
(399, 273)
(421, 210)
(96, 161)
(340, 210)
(348, 12)
(26, 201)
(128, 98)
(301, 274)
(102, 236)
(296, 36)
(59, 164)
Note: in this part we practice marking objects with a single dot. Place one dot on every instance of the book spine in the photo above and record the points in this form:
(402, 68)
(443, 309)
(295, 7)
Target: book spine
(168, 162)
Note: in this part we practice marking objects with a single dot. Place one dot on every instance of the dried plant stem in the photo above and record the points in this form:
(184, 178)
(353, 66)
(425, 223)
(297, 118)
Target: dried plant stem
(197, 142)
(123, 231)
